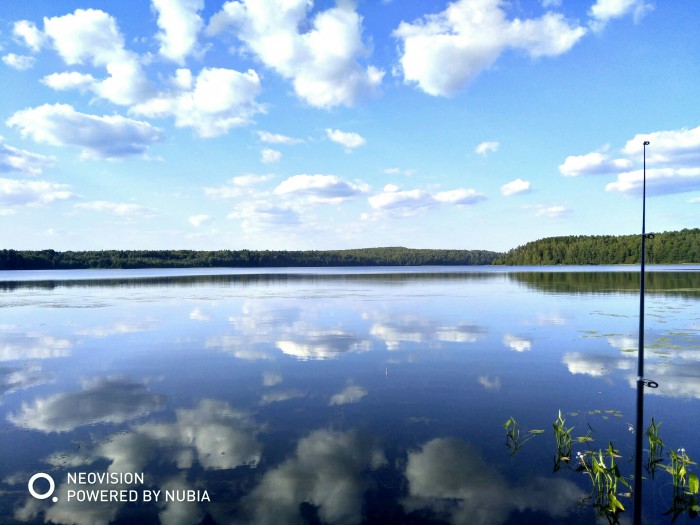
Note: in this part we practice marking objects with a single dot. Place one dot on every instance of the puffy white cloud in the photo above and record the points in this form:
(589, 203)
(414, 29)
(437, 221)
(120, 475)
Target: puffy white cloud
(517, 343)
(443, 52)
(605, 10)
(661, 181)
(321, 344)
(19, 62)
(91, 36)
(449, 476)
(106, 137)
(103, 400)
(321, 60)
(268, 156)
(673, 155)
(22, 161)
(213, 103)
(179, 24)
(399, 202)
(200, 220)
(347, 139)
(69, 80)
(21, 347)
(276, 138)
(592, 164)
(459, 197)
(675, 148)
(326, 471)
(514, 187)
(32, 193)
(119, 328)
(350, 394)
(487, 147)
(120, 209)
(280, 396)
(595, 365)
(327, 189)
(27, 32)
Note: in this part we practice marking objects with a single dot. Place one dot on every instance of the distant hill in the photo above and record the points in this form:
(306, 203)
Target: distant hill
(393, 256)
(665, 248)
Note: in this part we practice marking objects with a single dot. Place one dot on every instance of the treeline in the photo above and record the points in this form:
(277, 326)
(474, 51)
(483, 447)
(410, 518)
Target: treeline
(664, 248)
(394, 256)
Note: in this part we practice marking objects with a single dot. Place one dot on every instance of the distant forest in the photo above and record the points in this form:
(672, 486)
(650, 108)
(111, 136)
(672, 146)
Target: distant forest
(50, 259)
(664, 248)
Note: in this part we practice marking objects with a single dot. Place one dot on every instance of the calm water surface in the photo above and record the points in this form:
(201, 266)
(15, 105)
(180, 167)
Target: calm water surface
(335, 396)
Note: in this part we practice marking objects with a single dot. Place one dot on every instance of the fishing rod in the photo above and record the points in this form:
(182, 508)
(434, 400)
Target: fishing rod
(641, 382)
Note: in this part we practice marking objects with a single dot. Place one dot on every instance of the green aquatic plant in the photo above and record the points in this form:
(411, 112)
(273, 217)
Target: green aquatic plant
(680, 473)
(562, 435)
(514, 439)
(604, 474)
(656, 448)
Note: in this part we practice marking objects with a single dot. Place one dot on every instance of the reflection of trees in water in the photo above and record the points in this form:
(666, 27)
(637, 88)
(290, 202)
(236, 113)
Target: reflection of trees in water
(256, 279)
(676, 283)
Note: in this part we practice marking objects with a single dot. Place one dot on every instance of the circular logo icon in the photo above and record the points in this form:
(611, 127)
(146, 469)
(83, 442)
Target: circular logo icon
(37, 495)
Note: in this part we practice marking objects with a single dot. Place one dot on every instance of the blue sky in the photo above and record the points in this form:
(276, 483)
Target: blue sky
(291, 124)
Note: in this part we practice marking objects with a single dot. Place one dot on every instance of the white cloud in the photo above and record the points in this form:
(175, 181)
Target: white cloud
(213, 103)
(27, 32)
(179, 24)
(327, 470)
(661, 181)
(103, 400)
(22, 161)
(69, 80)
(258, 216)
(673, 154)
(351, 394)
(450, 478)
(487, 147)
(405, 202)
(276, 138)
(106, 137)
(592, 164)
(236, 187)
(269, 156)
(514, 187)
(19, 62)
(321, 60)
(321, 344)
(327, 189)
(32, 193)
(694, 200)
(91, 36)
(116, 208)
(200, 220)
(517, 343)
(347, 139)
(553, 211)
(459, 197)
(605, 10)
(31, 346)
(409, 202)
(272, 378)
(444, 52)
(670, 147)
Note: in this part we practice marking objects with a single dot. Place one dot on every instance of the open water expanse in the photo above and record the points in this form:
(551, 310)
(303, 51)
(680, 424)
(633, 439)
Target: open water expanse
(340, 396)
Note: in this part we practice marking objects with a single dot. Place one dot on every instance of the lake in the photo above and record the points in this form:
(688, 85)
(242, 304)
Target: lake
(340, 396)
